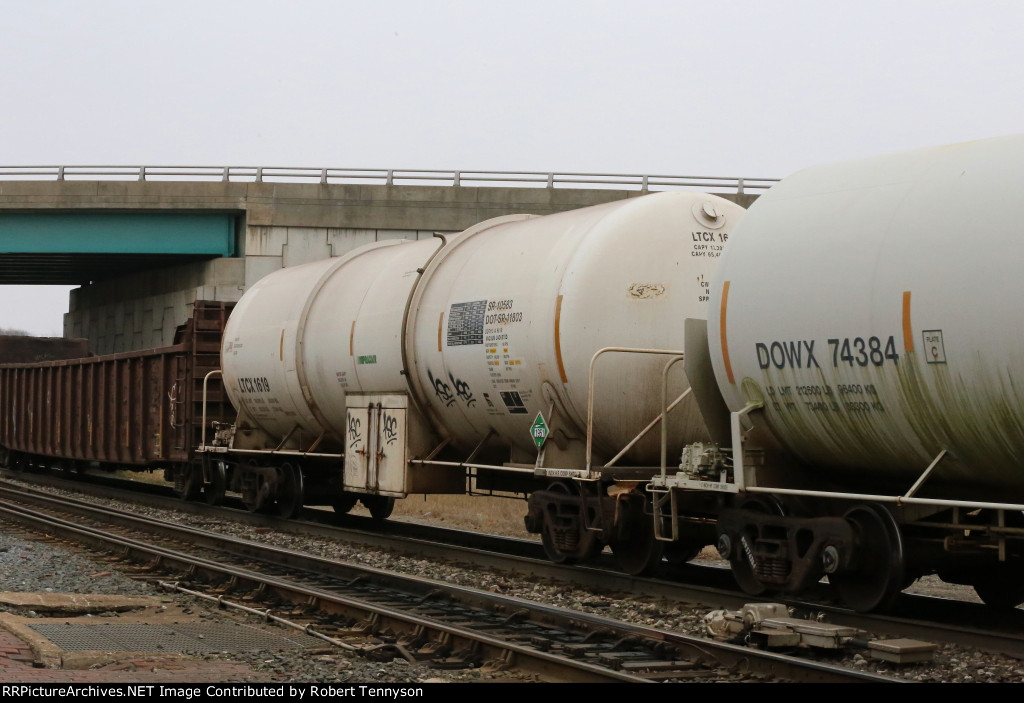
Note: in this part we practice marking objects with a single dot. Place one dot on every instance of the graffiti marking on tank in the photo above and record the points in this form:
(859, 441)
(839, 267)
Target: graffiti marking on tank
(441, 389)
(462, 390)
(646, 291)
(355, 434)
(389, 426)
(445, 393)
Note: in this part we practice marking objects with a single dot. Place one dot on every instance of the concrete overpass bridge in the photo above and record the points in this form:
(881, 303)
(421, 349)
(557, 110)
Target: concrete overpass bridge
(143, 242)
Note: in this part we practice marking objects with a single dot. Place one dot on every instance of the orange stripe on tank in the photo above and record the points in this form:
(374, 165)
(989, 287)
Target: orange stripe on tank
(908, 335)
(721, 332)
(352, 339)
(440, 326)
(558, 341)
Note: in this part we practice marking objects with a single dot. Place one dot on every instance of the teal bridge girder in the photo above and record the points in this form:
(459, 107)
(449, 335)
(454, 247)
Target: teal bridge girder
(75, 248)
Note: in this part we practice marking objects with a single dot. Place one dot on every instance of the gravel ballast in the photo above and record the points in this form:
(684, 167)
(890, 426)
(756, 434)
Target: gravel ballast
(28, 566)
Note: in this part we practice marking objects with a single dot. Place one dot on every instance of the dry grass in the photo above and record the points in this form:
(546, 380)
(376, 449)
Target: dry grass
(154, 477)
(502, 516)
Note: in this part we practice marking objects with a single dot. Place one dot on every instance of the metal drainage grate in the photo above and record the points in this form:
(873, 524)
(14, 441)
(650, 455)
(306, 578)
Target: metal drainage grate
(185, 638)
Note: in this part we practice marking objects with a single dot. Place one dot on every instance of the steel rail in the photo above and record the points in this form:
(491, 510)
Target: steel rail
(717, 655)
(972, 625)
(528, 659)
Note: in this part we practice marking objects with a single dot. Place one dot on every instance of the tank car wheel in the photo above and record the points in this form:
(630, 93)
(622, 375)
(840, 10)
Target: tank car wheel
(214, 491)
(588, 546)
(554, 555)
(20, 462)
(879, 576)
(344, 503)
(639, 553)
(290, 490)
(681, 552)
(15, 462)
(1001, 587)
(254, 488)
(380, 507)
(188, 483)
(742, 570)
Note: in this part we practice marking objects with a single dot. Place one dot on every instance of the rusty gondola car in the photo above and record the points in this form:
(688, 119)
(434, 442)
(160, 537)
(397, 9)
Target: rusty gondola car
(137, 410)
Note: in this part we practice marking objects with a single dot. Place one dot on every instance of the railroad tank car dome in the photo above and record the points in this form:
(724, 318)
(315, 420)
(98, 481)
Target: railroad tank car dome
(492, 327)
(872, 306)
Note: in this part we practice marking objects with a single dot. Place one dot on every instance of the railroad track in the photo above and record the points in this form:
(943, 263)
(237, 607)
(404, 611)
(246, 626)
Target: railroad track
(923, 617)
(934, 619)
(389, 614)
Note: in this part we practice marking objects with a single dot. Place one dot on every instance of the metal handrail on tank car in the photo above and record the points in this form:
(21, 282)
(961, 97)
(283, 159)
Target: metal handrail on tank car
(586, 474)
(677, 357)
(738, 471)
(740, 482)
(204, 448)
(387, 176)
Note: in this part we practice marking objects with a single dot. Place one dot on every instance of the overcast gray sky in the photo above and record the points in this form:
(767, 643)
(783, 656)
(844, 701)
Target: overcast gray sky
(681, 87)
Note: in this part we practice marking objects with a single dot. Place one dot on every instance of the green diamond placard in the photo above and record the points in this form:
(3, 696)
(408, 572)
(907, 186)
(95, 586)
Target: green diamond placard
(539, 430)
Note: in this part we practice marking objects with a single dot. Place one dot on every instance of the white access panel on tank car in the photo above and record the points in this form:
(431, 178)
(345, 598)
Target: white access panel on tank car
(375, 444)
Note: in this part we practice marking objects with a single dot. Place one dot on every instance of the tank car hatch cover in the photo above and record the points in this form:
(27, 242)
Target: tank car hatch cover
(539, 430)
(708, 214)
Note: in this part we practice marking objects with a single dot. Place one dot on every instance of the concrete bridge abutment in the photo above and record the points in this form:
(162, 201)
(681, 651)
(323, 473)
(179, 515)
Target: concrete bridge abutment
(276, 225)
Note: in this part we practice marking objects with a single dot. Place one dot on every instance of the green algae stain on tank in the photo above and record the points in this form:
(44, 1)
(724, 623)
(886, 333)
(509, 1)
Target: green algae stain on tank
(973, 414)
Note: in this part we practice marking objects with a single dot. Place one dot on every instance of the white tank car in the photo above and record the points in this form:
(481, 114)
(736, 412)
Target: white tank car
(873, 306)
(863, 333)
(487, 328)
